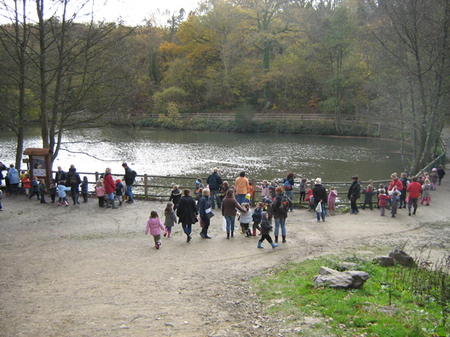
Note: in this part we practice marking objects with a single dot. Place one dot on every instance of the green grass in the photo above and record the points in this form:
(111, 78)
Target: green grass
(291, 293)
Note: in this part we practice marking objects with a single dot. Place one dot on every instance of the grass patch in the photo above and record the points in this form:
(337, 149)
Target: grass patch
(395, 301)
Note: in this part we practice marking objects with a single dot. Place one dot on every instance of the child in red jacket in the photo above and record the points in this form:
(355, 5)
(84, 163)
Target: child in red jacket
(382, 203)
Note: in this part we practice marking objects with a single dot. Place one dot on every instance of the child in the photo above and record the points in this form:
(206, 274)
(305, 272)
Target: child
(84, 189)
(34, 188)
(245, 219)
(154, 225)
(331, 198)
(26, 184)
(170, 219)
(369, 191)
(266, 227)
(198, 186)
(434, 178)
(119, 191)
(272, 187)
(42, 191)
(100, 193)
(256, 216)
(441, 173)
(251, 192)
(52, 189)
(175, 196)
(383, 198)
(395, 198)
(426, 188)
(303, 185)
(310, 198)
(265, 192)
(62, 195)
(223, 190)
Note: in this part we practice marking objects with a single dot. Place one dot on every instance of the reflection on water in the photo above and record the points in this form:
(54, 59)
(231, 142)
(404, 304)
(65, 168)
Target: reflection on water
(186, 153)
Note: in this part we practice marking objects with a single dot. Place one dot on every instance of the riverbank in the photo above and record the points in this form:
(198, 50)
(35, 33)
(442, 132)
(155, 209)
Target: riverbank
(81, 270)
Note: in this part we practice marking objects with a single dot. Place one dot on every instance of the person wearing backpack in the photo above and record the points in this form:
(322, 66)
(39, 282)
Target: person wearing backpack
(215, 182)
(288, 187)
(320, 197)
(354, 194)
(73, 181)
(129, 180)
(280, 208)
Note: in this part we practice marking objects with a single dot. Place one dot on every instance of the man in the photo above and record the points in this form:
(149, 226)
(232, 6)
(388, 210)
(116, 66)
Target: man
(354, 194)
(60, 176)
(414, 190)
(187, 213)
(129, 180)
(73, 181)
(215, 182)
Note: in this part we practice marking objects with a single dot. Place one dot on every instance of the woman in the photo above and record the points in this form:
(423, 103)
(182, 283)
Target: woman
(242, 187)
(320, 197)
(204, 209)
(229, 206)
(187, 213)
(354, 194)
(280, 207)
(14, 180)
(110, 187)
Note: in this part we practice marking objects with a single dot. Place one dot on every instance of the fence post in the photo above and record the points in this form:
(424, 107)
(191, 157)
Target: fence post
(145, 187)
(254, 189)
(96, 176)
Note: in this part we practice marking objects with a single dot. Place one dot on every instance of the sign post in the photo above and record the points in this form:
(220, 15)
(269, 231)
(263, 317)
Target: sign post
(40, 163)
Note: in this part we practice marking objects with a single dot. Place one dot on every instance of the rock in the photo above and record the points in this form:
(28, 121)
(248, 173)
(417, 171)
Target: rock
(335, 279)
(402, 258)
(384, 261)
(348, 266)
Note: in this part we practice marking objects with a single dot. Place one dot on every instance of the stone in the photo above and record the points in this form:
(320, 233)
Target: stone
(384, 261)
(336, 279)
(348, 266)
(402, 258)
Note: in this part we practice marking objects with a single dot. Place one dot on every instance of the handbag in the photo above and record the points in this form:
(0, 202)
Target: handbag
(319, 208)
(224, 224)
(209, 213)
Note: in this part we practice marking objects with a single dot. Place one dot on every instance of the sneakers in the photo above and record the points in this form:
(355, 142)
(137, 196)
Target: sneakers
(158, 244)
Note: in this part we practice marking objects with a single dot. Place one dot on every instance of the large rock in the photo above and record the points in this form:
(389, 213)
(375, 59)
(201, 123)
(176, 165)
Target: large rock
(402, 258)
(335, 279)
(384, 261)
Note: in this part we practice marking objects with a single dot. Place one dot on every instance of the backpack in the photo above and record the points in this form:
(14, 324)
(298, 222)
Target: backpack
(284, 204)
(73, 180)
(287, 185)
(133, 175)
(213, 182)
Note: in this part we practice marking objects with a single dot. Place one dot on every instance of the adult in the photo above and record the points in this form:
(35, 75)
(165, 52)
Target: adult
(414, 189)
(288, 187)
(110, 187)
(242, 187)
(2, 168)
(229, 206)
(204, 209)
(60, 176)
(354, 192)
(280, 207)
(129, 180)
(14, 179)
(395, 188)
(73, 181)
(320, 197)
(187, 213)
(215, 182)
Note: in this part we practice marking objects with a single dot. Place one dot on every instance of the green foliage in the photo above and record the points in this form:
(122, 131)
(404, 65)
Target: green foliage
(172, 94)
(170, 120)
(290, 291)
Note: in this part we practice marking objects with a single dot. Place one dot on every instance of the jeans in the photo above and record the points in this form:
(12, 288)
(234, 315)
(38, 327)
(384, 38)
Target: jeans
(321, 214)
(278, 222)
(187, 228)
(215, 195)
(14, 188)
(110, 196)
(290, 195)
(241, 198)
(230, 222)
(130, 193)
(205, 227)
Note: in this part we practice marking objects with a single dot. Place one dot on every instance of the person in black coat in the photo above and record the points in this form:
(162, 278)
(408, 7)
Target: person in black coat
(320, 196)
(187, 213)
(354, 194)
(73, 181)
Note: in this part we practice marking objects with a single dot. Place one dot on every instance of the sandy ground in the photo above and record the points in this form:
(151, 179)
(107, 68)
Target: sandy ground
(85, 271)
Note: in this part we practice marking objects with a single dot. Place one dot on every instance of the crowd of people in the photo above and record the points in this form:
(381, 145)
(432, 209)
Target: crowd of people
(106, 189)
(187, 208)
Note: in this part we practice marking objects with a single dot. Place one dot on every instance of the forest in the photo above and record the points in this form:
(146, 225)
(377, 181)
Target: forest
(378, 61)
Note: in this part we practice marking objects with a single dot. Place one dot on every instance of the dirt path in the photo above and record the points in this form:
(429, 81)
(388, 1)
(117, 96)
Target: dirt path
(87, 271)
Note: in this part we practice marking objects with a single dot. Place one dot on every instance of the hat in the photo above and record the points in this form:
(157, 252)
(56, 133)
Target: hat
(263, 214)
(267, 201)
(435, 169)
(118, 181)
(318, 181)
(355, 177)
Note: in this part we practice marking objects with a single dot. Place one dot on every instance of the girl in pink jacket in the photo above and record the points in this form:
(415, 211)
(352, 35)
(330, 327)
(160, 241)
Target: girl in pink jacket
(154, 225)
